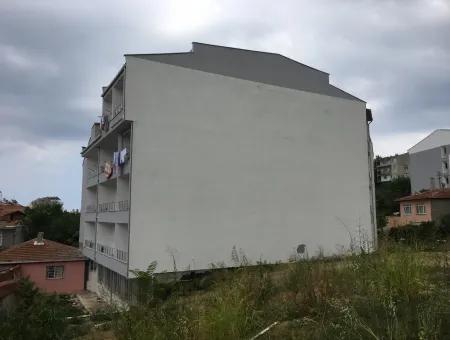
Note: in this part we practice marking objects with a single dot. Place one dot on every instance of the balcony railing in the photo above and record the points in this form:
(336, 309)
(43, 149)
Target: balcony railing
(91, 208)
(118, 254)
(89, 244)
(122, 255)
(96, 132)
(113, 206)
(107, 250)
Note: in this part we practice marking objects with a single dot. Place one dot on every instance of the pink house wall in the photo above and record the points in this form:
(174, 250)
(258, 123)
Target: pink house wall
(72, 282)
(395, 221)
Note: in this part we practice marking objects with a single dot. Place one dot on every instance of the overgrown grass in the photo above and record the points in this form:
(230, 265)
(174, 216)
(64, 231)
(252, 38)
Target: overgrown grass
(396, 293)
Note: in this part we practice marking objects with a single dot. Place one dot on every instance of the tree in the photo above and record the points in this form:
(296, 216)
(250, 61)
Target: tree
(56, 223)
(35, 316)
(386, 194)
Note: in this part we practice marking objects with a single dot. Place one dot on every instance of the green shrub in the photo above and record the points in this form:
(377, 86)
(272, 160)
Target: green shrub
(38, 315)
(395, 293)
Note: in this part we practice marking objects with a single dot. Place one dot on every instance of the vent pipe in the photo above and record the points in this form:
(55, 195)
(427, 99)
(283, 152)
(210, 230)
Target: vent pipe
(39, 241)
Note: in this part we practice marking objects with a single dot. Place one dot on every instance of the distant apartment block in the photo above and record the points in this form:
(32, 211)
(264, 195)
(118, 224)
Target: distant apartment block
(215, 148)
(429, 162)
(392, 167)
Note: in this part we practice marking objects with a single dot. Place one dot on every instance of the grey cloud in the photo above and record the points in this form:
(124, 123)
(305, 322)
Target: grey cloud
(55, 56)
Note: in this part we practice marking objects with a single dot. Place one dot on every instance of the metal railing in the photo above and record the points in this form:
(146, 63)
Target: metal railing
(96, 132)
(107, 250)
(113, 206)
(122, 255)
(89, 244)
(91, 208)
(118, 254)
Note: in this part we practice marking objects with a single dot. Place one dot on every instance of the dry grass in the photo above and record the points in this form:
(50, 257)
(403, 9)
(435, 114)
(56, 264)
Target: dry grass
(396, 293)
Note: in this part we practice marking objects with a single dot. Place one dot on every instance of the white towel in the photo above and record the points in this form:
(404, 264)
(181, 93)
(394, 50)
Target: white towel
(122, 156)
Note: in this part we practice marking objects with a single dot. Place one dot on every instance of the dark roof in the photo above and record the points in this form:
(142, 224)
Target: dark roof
(264, 67)
(50, 251)
(430, 194)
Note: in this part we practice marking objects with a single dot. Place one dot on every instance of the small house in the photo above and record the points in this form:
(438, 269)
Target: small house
(421, 207)
(53, 267)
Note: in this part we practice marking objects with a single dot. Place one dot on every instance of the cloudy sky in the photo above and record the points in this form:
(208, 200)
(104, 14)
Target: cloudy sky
(56, 55)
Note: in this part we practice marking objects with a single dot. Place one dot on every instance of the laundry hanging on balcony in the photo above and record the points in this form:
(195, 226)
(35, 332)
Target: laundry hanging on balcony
(108, 170)
(116, 158)
(123, 156)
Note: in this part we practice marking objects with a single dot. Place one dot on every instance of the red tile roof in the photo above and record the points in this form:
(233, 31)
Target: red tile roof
(7, 209)
(430, 194)
(50, 251)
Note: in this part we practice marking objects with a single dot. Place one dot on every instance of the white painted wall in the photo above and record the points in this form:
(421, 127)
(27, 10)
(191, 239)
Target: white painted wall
(221, 162)
(435, 139)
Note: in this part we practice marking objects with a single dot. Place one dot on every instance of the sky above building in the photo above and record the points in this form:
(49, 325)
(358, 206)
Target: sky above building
(56, 55)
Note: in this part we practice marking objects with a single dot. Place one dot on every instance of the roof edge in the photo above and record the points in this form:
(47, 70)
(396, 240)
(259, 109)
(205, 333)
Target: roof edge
(75, 259)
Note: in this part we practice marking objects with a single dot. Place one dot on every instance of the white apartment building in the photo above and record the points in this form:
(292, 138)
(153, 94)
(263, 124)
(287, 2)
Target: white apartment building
(215, 148)
(429, 162)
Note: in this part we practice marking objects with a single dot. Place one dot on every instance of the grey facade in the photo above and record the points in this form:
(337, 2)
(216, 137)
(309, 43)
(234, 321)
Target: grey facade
(429, 168)
(392, 167)
(439, 208)
(226, 148)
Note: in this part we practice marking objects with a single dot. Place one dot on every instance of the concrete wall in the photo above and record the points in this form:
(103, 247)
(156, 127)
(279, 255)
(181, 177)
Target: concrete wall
(72, 282)
(440, 208)
(221, 162)
(11, 236)
(422, 166)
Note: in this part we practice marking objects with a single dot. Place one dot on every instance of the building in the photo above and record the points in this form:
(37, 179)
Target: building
(429, 161)
(203, 151)
(426, 206)
(45, 200)
(391, 167)
(11, 231)
(52, 266)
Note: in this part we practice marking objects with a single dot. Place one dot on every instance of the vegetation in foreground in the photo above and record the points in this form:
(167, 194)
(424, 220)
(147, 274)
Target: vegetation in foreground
(39, 316)
(397, 293)
(400, 292)
(386, 195)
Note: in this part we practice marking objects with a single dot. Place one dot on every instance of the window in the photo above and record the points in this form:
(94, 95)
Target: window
(407, 209)
(55, 272)
(420, 209)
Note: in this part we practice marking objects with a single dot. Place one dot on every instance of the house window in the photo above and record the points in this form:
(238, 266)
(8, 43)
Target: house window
(407, 209)
(420, 209)
(55, 272)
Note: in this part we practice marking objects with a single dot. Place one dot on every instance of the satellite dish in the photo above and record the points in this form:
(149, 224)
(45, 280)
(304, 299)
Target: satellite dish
(301, 248)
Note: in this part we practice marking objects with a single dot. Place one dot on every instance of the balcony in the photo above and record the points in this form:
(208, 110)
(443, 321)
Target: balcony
(118, 115)
(90, 213)
(92, 179)
(89, 244)
(90, 208)
(120, 170)
(113, 206)
(118, 254)
(113, 212)
(96, 133)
